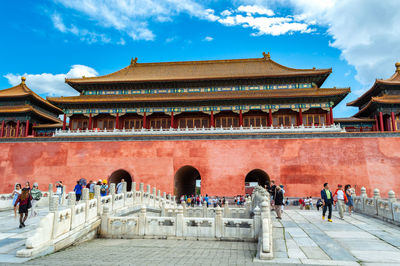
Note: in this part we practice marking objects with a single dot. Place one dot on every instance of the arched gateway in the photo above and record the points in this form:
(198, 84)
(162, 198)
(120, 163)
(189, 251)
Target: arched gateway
(255, 177)
(185, 181)
(116, 177)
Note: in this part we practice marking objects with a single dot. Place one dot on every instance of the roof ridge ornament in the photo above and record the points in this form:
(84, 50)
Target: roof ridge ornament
(397, 67)
(266, 56)
(23, 80)
(133, 61)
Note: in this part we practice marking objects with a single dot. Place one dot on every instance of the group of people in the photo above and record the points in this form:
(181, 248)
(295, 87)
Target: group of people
(104, 190)
(306, 203)
(24, 199)
(340, 198)
(199, 200)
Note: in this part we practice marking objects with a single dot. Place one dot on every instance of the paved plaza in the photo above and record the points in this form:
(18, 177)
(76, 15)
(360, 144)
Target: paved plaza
(300, 238)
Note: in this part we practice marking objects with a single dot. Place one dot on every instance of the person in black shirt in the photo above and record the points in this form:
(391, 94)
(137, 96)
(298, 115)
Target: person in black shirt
(278, 202)
(272, 192)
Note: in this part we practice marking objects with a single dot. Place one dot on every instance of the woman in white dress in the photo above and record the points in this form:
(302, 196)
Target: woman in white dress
(15, 194)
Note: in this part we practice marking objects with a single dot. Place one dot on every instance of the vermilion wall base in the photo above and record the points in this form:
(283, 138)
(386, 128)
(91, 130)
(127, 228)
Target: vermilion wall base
(302, 165)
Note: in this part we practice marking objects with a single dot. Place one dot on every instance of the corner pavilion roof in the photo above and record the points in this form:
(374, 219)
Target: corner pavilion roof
(21, 90)
(201, 70)
(374, 90)
(283, 93)
(25, 109)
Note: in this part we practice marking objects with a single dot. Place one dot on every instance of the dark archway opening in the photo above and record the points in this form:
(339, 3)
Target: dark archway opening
(118, 175)
(254, 178)
(187, 181)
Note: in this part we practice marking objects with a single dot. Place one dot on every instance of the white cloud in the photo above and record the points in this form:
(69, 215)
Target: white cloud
(52, 84)
(367, 32)
(254, 9)
(260, 20)
(132, 17)
(83, 34)
(208, 39)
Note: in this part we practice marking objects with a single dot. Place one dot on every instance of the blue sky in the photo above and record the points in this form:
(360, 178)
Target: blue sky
(49, 40)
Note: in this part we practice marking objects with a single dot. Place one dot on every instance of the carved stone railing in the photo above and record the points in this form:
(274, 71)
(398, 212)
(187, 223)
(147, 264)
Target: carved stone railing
(385, 209)
(182, 222)
(203, 130)
(80, 220)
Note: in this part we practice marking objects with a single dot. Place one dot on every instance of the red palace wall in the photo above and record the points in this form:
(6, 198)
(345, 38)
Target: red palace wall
(302, 165)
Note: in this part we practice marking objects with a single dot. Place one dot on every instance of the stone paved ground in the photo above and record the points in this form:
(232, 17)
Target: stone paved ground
(152, 252)
(300, 238)
(13, 238)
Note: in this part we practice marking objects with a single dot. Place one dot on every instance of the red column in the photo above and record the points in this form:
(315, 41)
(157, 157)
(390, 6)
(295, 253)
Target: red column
(331, 115)
(300, 117)
(240, 118)
(381, 122)
(393, 122)
(270, 118)
(328, 118)
(17, 129)
(144, 120)
(212, 119)
(117, 121)
(2, 129)
(64, 122)
(27, 128)
(90, 122)
(376, 124)
(172, 119)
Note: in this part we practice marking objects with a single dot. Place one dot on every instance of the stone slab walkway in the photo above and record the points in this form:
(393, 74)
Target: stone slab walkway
(12, 238)
(302, 237)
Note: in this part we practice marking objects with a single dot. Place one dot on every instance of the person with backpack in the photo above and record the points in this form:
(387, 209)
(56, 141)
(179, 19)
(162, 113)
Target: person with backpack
(24, 202)
(36, 195)
(103, 188)
(78, 191)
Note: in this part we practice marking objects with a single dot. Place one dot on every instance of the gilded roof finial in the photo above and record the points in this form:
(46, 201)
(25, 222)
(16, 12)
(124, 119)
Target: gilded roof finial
(266, 56)
(133, 61)
(315, 86)
(23, 80)
(397, 67)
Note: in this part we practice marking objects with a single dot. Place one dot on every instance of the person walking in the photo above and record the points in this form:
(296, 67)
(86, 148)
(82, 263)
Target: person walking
(36, 195)
(119, 186)
(272, 192)
(78, 191)
(340, 199)
(278, 202)
(24, 202)
(59, 191)
(327, 201)
(17, 191)
(92, 185)
(350, 202)
(103, 188)
(319, 204)
(283, 192)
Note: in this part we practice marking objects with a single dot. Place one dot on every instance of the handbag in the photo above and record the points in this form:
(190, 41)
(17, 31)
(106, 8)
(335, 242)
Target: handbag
(29, 204)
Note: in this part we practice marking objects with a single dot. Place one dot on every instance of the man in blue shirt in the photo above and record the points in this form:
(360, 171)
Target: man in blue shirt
(78, 191)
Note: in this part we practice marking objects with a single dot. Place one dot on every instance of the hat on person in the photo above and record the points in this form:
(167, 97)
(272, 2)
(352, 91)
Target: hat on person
(339, 185)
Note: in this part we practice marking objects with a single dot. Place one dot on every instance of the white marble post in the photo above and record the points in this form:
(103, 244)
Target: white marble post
(205, 210)
(51, 193)
(363, 193)
(53, 206)
(179, 221)
(97, 196)
(391, 196)
(71, 199)
(142, 221)
(133, 188)
(377, 194)
(257, 221)
(219, 227)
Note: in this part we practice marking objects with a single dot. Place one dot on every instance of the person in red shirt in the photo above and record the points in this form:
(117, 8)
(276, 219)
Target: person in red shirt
(24, 200)
(340, 198)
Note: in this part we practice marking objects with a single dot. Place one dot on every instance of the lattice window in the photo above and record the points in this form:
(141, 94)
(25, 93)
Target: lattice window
(133, 123)
(160, 122)
(285, 120)
(316, 119)
(227, 121)
(192, 122)
(255, 121)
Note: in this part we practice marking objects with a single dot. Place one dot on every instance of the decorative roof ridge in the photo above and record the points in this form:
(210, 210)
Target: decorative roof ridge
(27, 91)
(265, 58)
(30, 108)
